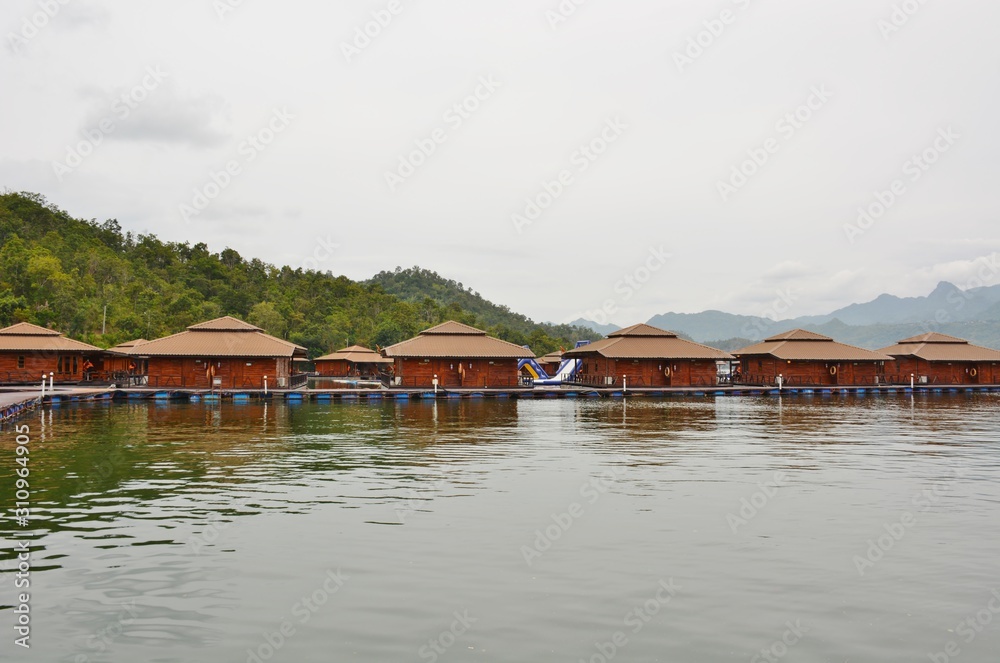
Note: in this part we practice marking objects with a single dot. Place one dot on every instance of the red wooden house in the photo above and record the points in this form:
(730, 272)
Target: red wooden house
(225, 353)
(551, 362)
(806, 358)
(355, 361)
(941, 359)
(123, 360)
(646, 356)
(459, 356)
(27, 351)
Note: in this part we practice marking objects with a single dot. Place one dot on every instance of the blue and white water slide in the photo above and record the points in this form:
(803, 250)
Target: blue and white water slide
(567, 369)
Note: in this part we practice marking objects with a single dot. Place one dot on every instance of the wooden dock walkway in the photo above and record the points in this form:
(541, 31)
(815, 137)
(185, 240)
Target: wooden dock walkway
(327, 395)
(15, 403)
(26, 399)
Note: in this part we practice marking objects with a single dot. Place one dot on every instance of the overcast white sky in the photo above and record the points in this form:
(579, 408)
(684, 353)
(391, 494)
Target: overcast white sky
(681, 131)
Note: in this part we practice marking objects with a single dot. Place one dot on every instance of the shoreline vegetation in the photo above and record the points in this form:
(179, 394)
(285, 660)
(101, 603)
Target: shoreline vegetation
(81, 276)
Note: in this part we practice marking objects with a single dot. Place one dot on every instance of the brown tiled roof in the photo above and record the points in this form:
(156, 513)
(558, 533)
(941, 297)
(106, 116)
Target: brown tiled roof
(933, 337)
(551, 358)
(941, 347)
(356, 354)
(802, 345)
(642, 329)
(128, 347)
(223, 337)
(28, 329)
(26, 337)
(799, 335)
(452, 327)
(225, 323)
(453, 339)
(647, 342)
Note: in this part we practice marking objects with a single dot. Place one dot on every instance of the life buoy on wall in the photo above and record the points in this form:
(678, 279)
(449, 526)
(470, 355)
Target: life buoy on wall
(833, 370)
(973, 372)
(666, 371)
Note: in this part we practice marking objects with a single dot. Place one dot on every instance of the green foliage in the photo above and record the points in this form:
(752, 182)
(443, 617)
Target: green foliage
(61, 272)
(426, 288)
(265, 315)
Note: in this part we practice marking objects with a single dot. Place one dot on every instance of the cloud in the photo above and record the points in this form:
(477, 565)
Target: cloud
(76, 15)
(792, 290)
(971, 273)
(788, 269)
(155, 110)
(39, 17)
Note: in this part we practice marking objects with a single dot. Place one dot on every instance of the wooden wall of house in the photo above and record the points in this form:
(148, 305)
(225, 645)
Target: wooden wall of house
(815, 373)
(118, 364)
(551, 367)
(340, 368)
(336, 368)
(27, 366)
(652, 372)
(940, 372)
(235, 373)
(416, 372)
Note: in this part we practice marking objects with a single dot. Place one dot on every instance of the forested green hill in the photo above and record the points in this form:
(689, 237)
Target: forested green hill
(61, 272)
(416, 284)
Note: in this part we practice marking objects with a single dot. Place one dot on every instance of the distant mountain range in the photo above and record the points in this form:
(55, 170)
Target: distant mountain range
(599, 328)
(973, 314)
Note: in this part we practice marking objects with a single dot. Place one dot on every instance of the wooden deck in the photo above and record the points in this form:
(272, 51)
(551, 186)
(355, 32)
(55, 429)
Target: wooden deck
(15, 403)
(327, 395)
(26, 399)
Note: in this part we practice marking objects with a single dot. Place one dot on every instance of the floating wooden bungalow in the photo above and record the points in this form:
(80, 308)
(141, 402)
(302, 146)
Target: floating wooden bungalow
(355, 361)
(935, 358)
(457, 355)
(806, 358)
(27, 351)
(551, 362)
(647, 356)
(124, 359)
(223, 353)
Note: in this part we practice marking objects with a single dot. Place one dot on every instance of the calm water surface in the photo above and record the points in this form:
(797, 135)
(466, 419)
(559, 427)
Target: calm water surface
(857, 529)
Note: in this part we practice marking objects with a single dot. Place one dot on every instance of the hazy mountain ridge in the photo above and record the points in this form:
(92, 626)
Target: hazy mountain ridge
(597, 327)
(973, 314)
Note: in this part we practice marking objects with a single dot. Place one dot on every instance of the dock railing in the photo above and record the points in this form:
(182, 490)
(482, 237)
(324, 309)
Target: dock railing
(414, 382)
(19, 377)
(294, 381)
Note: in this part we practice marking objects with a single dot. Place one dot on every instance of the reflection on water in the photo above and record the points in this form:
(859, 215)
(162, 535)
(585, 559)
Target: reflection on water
(190, 532)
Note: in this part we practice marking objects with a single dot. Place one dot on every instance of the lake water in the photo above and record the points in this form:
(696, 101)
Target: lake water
(814, 528)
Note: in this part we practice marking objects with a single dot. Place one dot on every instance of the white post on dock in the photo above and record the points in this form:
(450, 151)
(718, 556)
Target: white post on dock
(265, 385)
(43, 385)
(435, 384)
(624, 384)
(52, 385)
(781, 380)
(911, 380)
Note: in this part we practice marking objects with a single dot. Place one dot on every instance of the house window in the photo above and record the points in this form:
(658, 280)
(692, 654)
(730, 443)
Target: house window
(20, 361)
(59, 365)
(74, 364)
